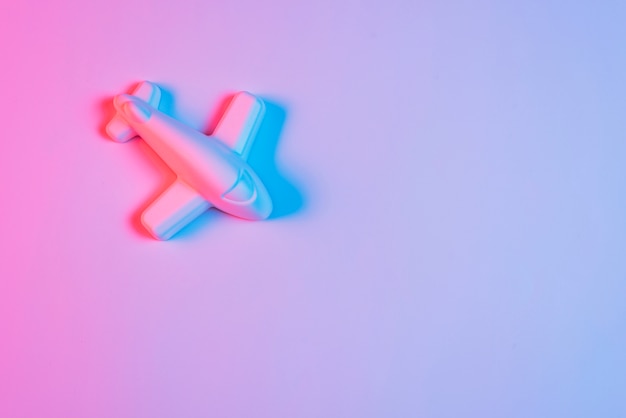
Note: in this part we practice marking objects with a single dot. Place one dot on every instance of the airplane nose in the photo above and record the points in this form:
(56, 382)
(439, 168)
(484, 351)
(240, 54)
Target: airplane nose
(248, 197)
(243, 191)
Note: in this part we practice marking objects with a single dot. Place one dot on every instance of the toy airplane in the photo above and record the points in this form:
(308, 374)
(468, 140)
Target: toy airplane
(211, 170)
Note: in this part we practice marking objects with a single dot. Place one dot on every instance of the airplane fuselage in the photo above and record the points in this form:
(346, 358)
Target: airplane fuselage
(215, 171)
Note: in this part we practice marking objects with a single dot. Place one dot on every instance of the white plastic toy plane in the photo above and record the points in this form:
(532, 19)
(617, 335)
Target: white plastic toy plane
(211, 170)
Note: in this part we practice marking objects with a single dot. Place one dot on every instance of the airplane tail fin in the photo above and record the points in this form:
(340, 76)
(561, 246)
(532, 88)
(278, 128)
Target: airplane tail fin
(118, 129)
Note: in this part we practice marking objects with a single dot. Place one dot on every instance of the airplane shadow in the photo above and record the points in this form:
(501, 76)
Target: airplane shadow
(287, 199)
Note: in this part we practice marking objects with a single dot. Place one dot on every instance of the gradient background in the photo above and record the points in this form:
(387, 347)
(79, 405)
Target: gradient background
(450, 227)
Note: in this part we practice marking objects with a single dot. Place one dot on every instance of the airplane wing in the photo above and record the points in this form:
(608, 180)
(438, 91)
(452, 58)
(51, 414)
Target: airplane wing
(173, 209)
(240, 122)
(180, 203)
(117, 128)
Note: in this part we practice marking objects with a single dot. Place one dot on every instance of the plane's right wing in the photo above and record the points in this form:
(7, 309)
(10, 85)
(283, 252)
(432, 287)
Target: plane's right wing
(173, 209)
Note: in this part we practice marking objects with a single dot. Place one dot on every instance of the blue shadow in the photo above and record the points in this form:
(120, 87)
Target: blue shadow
(287, 199)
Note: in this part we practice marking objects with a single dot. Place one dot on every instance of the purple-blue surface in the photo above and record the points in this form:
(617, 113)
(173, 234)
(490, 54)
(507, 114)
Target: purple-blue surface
(450, 220)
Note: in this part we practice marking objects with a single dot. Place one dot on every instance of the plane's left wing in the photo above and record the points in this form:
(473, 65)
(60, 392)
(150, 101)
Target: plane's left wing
(173, 209)
(240, 122)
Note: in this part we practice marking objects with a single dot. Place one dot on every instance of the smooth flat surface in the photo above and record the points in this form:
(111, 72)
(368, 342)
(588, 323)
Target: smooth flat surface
(451, 212)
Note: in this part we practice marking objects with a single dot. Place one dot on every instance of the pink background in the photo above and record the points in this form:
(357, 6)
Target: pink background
(450, 227)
